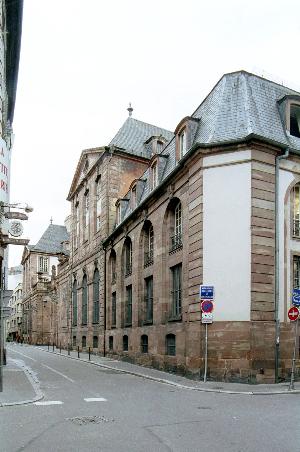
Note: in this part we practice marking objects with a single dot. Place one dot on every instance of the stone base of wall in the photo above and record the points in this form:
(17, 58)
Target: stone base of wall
(237, 351)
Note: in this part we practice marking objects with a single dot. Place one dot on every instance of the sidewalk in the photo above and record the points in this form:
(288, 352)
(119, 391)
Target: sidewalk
(176, 380)
(20, 385)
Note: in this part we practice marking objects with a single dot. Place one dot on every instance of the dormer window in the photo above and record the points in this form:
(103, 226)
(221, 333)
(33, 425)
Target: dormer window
(133, 197)
(154, 178)
(182, 143)
(295, 120)
(159, 146)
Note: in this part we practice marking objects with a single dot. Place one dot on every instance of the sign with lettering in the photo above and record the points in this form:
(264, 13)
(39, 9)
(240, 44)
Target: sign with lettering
(206, 292)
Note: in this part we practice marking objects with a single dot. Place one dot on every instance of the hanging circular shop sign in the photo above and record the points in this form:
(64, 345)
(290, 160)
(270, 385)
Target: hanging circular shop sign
(15, 228)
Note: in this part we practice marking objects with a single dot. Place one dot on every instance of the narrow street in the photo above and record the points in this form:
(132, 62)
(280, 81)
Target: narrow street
(89, 408)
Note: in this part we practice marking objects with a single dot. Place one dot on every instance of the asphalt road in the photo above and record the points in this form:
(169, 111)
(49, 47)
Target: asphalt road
(133, 414)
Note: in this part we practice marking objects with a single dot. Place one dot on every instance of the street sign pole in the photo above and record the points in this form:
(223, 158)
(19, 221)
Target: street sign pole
(205, 363)
(292, 386)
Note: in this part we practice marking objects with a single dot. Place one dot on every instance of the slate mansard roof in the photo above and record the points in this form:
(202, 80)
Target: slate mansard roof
(51, 240)
(241, 106)
(133, 134)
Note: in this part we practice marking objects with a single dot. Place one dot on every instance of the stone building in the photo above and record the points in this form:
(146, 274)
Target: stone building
(39, 303)
(155, 214)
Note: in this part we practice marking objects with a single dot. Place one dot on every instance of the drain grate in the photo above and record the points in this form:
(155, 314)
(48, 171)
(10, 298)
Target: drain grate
(83, 420)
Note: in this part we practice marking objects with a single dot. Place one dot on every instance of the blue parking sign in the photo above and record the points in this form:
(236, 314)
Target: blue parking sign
(296, 297)
(206, 292)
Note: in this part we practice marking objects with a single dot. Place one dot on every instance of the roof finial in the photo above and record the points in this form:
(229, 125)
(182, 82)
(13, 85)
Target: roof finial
(130, 109)
(51, 220)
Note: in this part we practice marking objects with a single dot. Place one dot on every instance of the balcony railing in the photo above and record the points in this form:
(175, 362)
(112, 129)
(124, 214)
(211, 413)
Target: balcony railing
(128, 270)
(113, 278)
(296, 228)
(176, 243)
(148, 258)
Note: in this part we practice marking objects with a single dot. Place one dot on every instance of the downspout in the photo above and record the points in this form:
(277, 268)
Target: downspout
(277, 319)
(104, 304)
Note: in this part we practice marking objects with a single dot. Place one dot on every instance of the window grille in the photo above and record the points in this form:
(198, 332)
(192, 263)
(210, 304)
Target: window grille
(84, 300)
(128, 258)
(171, 345)
(95, 341)
(296, 272)
(128, 306)
(149, 299)
(113, 309)
(96, 287)
(74, 296)
(125, 343)
(176, 239)
(144, 343)
(176, 292)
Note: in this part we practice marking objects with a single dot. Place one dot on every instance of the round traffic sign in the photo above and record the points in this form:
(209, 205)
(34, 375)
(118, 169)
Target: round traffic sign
(293, 313)
(207, 306)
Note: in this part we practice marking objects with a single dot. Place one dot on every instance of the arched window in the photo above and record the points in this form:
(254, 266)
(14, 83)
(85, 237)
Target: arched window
(128, 257)
(176, 227)
(125, 343)
(96, 296)
(148, 245)
(84, 300)
(74, 302)
(83, 341)
(144, 343)
(296, 210)
(171, 344)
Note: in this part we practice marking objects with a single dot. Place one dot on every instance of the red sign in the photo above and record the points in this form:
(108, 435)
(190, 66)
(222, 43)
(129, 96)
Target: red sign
(293, 313)
(207, 306)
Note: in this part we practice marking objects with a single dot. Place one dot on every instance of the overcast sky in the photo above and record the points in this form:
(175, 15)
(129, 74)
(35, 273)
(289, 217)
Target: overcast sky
(82, 61)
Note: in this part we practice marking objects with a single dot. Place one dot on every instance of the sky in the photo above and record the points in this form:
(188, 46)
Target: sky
(83, 61)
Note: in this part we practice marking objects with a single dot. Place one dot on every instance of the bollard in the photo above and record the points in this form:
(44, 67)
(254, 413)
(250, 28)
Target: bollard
(69, 352)
(89, 353)
(48, 346)
(60, 347)
(78, 351)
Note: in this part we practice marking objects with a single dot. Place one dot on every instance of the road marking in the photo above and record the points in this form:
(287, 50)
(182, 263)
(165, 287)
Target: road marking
(49, 402)
(59, 373)
(26, 356)
(95, 399)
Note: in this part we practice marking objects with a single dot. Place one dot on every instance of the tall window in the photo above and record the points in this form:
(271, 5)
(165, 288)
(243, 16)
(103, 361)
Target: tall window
(96, 296)
(296, 210)
(154, 177)
(149, 299)
(113, 267)
(296, 272)
(76, 225)
(111, 342)
(128, 306)
(182, 143)
(86, 216)
(83, 341)
(128, 257)
(84, 300)
(113, 309)
(98, 203)
(95, 341)
(171, 345)
(74, 303)
(176, 239)
(176, 291)
(149, 246)
(43, 264)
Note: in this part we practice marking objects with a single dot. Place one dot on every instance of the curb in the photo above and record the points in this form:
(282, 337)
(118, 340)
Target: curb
(33, 380)
(172, 383)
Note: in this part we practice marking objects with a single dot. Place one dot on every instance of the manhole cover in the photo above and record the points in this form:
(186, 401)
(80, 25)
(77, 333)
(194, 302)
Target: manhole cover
(83, 420)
